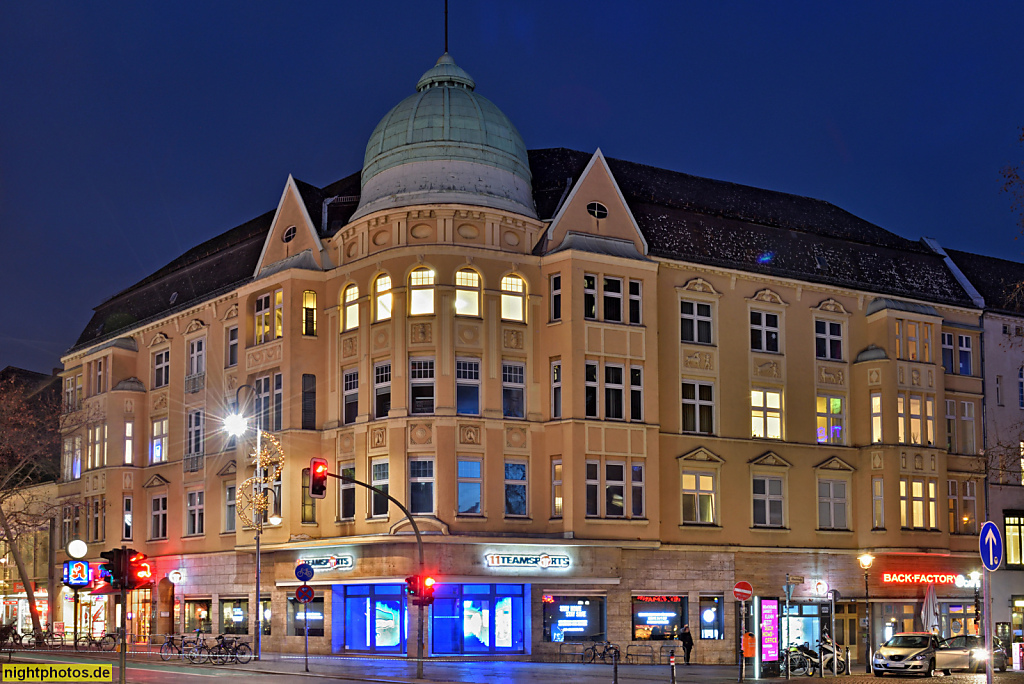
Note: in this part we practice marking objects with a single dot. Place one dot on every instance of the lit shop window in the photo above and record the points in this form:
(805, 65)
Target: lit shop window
(573, 618)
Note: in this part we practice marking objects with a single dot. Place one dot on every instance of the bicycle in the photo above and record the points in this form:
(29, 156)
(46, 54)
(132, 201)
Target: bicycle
(797, 662)
(605, 650)
(197, 652)
(45, 637)
(229, 649)
(10, 637)
(107, 642)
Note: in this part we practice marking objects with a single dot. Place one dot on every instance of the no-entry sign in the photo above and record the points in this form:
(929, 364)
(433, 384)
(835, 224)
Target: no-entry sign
(304, 594)
(743, 591)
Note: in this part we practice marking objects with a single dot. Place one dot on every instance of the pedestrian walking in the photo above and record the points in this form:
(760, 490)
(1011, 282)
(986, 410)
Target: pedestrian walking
(687, 640)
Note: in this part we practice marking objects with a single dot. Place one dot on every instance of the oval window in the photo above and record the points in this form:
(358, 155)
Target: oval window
(597, 210)
(289, 234)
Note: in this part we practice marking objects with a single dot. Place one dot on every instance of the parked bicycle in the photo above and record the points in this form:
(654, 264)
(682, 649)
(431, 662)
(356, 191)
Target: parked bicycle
(197, 651)
(605, 650)
(226, 650)
(44, 638)
(10, 637)
(107, 642)
(797, 660)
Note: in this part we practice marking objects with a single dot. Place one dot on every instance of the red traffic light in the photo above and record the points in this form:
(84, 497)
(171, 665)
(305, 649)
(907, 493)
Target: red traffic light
(428, 583)
(318, 470)
(425, 595)
(140, 571)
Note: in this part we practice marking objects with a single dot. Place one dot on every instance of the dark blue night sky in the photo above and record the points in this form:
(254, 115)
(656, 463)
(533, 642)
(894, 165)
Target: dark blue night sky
(130, 132)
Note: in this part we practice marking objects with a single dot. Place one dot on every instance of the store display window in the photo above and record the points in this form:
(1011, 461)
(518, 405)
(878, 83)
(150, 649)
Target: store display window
(234, 616)
(658, 617)
(574, 618)
(368, 617)
(197, 615)
(478, 618)
(312, 617)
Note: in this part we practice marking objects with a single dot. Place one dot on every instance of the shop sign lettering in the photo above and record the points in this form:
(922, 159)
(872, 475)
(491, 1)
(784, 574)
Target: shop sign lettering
(929, 578)
(543, 561)
(329, 562)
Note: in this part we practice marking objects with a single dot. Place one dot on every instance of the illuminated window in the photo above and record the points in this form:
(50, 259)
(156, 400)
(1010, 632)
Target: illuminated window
(278, 313)
(351, 298)
(831, 420)
(828, 340)
(309, 313)
(877, 504)
(269, 320)
(767, 501)
(832, 504)
(382, 291)
(918, 503)
(876, 417)
(766, 413)
(712, 617)
(421, 292)
(764, 331)
(1013, 525)
(467, 293)
(158, 447)
(513, 293)
(699, 498)
(556, 488)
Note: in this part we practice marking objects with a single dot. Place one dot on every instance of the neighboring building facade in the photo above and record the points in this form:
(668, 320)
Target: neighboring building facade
(606, 391)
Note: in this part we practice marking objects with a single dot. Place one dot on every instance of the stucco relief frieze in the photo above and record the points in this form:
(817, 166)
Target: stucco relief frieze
(515, 437)
(264, 355)
(830, 375)
(421, 434)
(160, 402)
(346, 443)
(874, 376)
(470, 435)
(468, 335)
(129, 406)
(420, 333)
(512, 339)
(876, 460)
(698, 360)
(699, 285)
(832, 306)
(768, 297)
(126, 481)
(349, 346)
(381, 339)
(159, 338)
(195, 325)
(378, 437)
(232, 312)
(765, 368)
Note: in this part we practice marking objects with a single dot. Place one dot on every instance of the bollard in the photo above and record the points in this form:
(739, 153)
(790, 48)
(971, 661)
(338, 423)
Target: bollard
(672, 665)
(615, 666)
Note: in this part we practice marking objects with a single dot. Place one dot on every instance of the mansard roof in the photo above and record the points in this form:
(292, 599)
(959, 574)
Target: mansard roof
(998, 280)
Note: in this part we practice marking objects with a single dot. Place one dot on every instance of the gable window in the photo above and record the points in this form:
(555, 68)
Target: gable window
(382, 291)
(556, 488)
(232, 347)
(421, 485)
(695, 322)
(379, 472)
(194, 513)
(636, 394)
(513, 390)
(589, 297)
(467, 387)
(590, 389)
(158, 445)
(556, 390)
(832, 505)
(613, 390)
(308, 514)
(964, 348)
(947, 352)
(470, 484)
(515, 489)
(597, 210)
(381, 389)
(421, 383)
(229, 508)
(828, 340)
(635, 302)
(613, 299)
(876, 417)
(347, 491)
(556, 297)
(351, 399)
(768, 501)
(351, 302)
(467, 293)
(764, 331)
(1013, 526)
(877, 504)
(831, 420)
(421, 292)
(513, 293)
(698, 498)
(126, 518)
(766, 413)
(308, 401)
(309, 313)
(161, 368)
(158, 521)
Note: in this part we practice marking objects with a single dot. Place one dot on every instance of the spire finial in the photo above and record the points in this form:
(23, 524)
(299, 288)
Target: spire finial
(446, 25)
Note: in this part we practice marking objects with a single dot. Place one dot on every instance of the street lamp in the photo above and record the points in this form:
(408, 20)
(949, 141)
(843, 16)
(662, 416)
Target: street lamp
(267, 466)
(865, 561)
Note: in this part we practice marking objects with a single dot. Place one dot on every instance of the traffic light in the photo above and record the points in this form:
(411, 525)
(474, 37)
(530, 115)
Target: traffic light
(427, 591)
(140, 571)
(318, 478)
(412, 585)
(113, 567)
(977, 608)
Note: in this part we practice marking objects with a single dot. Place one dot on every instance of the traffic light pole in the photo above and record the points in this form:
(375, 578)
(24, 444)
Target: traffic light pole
(123, 657)
(419, 548)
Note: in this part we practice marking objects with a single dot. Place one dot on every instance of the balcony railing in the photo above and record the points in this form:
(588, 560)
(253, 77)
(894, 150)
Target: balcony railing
(192, 463)
(194, 383)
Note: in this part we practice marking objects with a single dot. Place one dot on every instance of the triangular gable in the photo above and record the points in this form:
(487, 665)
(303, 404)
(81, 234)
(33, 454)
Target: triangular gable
(596, 183)
(770, 458)
(700, 454)
(229, 469)
(156, 481)
(835, 463)
(292, 211)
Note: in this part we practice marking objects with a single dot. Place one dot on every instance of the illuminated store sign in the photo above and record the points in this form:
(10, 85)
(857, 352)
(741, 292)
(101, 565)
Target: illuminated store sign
(509, 560)
(769, 630)
(76, 573)
(929, 578)
(329, 562)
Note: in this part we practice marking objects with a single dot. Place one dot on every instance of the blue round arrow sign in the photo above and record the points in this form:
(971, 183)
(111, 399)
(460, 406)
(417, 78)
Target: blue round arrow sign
(990, 544)
(304, 572)
(304, 594)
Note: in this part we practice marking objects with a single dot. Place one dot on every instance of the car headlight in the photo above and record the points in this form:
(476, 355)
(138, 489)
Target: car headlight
(979, 654)
(879, 656)
(920, 656)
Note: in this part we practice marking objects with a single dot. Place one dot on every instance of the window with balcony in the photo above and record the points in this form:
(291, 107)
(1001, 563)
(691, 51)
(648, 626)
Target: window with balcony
(194, 441)
(421, 292)
(467, 292)
(513, 298)
(196, 357)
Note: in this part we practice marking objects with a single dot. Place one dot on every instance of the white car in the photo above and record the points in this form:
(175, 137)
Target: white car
(907, 653)
(967, 652)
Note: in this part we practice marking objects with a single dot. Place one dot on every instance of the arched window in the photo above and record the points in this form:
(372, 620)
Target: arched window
(382, 289)
(513, 291)
(421, 292)
(351, 298)
(467, 293)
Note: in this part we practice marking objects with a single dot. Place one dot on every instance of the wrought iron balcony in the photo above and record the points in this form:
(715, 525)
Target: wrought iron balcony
(192, 463)
(194, 383)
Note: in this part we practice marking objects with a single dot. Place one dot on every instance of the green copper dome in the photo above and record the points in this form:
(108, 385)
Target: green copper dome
(446, 144)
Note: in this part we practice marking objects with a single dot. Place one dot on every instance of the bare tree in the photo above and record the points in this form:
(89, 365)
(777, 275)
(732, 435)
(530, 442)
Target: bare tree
(1013, 184)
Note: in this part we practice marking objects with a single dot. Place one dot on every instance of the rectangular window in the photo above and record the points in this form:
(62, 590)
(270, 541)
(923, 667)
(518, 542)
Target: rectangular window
(698, 407)
(967, 426)
(471, 484)
(261, 323)
(278, 401)
(969, 508)
(590, 389)
(699, 498)
(513, 298)
(76, 460)
(467, 387)
(1013, 526)
(279, 313)
(194, 523)
(832, 505)
(964, 348)
(877, 504)
(309, 313)
(308, 401)
(695, 322)
(876, 417)
(766, 413)
(556, 297)
(828, 340)
(947, 352)
(613, 393)
(421, 485)
(614, 490)
(70, 398)
(347, 491)
(613, 299)
(197, 356)
(129, 430)
(929, 420)
(590, 297)
(379, 472)
(421, 386)
(229, 508)
(768, 501)
(926, 342)
(467, 292)
(158, 522)
(907, 339)
(556, 488)
(593, 482)
(351, 401)
(381, 390)
(232, 347)
(831, 419)
(917, 503)
(712, 617)
(67, 460)
(515, 489)
(194, 439)
(635, 302)
(101, 385)
(158, 446)
(261, 401)
(953, 505)
(636, 394)
(513, 390)
(66, 526)
(764, 331)
(308, 502)
(126, 518)
(161, 368)
(636, 494)
(556, 390)
(951, 426)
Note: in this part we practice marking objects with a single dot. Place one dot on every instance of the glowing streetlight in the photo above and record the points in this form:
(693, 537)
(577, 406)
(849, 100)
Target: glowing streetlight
(865, 560)
(235, 424)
